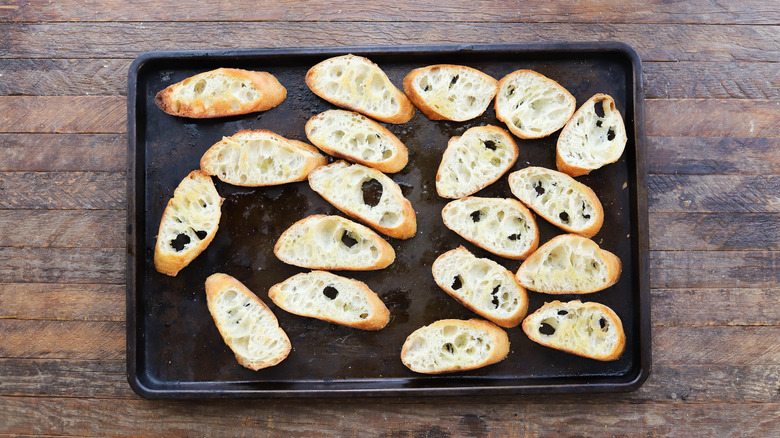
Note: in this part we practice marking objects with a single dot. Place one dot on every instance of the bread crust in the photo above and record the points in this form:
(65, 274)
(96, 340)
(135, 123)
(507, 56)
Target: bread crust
(386, 252)
(406, 229)
(532, 333)
(395, 164)
(217, 282)
(511, 320)
(514, 203)
(572, 169)
(598, 209)
(499, 338)
(171, 263)
(403, 115)
(311, 155)
(423, 105)
(503, 116)
(271, 94)
(380, 314)
(612, 262)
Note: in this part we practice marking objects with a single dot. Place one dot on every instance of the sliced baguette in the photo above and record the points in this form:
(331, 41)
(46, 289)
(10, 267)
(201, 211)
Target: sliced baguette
(260, 158)
(332, 298)
(357, 138)
(594, 137)
(220, 93)
(246, 324)
(533, 105)
(450, 92)
(451, 345)
(189, 223)
(356, 83)
(333, 243)
(588, 329)
(353, 188)
(482, 285)
(475, 160)
(560, 199)
(569, 264)
(504, 227)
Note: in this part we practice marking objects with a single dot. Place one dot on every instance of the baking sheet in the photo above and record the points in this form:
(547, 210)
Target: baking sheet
(173, 347)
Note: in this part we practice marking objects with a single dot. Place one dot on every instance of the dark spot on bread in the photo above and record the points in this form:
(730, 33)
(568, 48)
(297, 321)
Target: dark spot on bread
(372, 192)
(564, 217)
(246, 304)
(562, 312)
(457, 283)
(330, 292)
(450, 349)
(539, 188)
(490, 144)
(514, 237)
(427, 88)
(610, 134)
(348, 240)
(546, 329)
(454, 80)
(495, 296)
(603, 323)
(476, 216)
(201, 234)
(586, 216)
(510, 91)
(598, 123)
(180, 241)
(599, 108)
(595, 265)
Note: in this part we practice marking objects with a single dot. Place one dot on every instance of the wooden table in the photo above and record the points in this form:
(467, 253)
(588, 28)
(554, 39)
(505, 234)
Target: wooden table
(712, 85)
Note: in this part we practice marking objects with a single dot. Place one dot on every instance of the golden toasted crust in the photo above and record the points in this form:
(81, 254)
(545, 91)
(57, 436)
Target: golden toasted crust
(216, 283)
(380, 318)
(530, 329)
(315, 76)
(269, 93)
(424, 105)
(499, 338)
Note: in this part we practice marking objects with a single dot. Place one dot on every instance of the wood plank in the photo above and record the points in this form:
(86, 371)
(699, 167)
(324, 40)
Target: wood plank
(81, 302)
(716, 155)
(63, 229)
(713, 118)
(716, 345)
(63, 190)
(42, 339)
(62, 265)
(657, 11)
(63, 152)
(717, 306)
(713, 193)
(670, 42)
(662, 80)
(714, 269)
(85, 114)
(715, 231)
(64, 378)
(437, 417)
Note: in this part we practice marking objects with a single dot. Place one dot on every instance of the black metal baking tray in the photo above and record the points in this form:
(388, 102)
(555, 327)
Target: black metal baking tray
(173, 347)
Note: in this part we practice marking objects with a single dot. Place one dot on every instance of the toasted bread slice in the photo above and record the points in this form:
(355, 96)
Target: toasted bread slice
(504, 227)
(332, 298)
(594, 137)
(333, 243)
(189, 223)
(475, 160)
(560, 199)
(450, 92)
(451, 345)
(367, 195)
(356, 83)
(533, 105)
(220, 93)
(246, 324)
(482, 285)
(260, 158)
(569, 264)
(357, 138)
(590, 330)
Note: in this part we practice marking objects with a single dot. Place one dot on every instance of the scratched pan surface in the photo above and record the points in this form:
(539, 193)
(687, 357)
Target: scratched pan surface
(173, 347)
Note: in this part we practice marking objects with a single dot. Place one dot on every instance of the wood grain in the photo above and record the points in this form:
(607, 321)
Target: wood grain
(714, 269)
(715, 306)
(670, 42)
(63, 152)
(715, 231)
(717, 155)
(714, 193)
(63, 229)
(78, 302)
(63, 190)
(713, 118)
(657, 11)
(62, 265)
(85, 114)
(62, 339)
